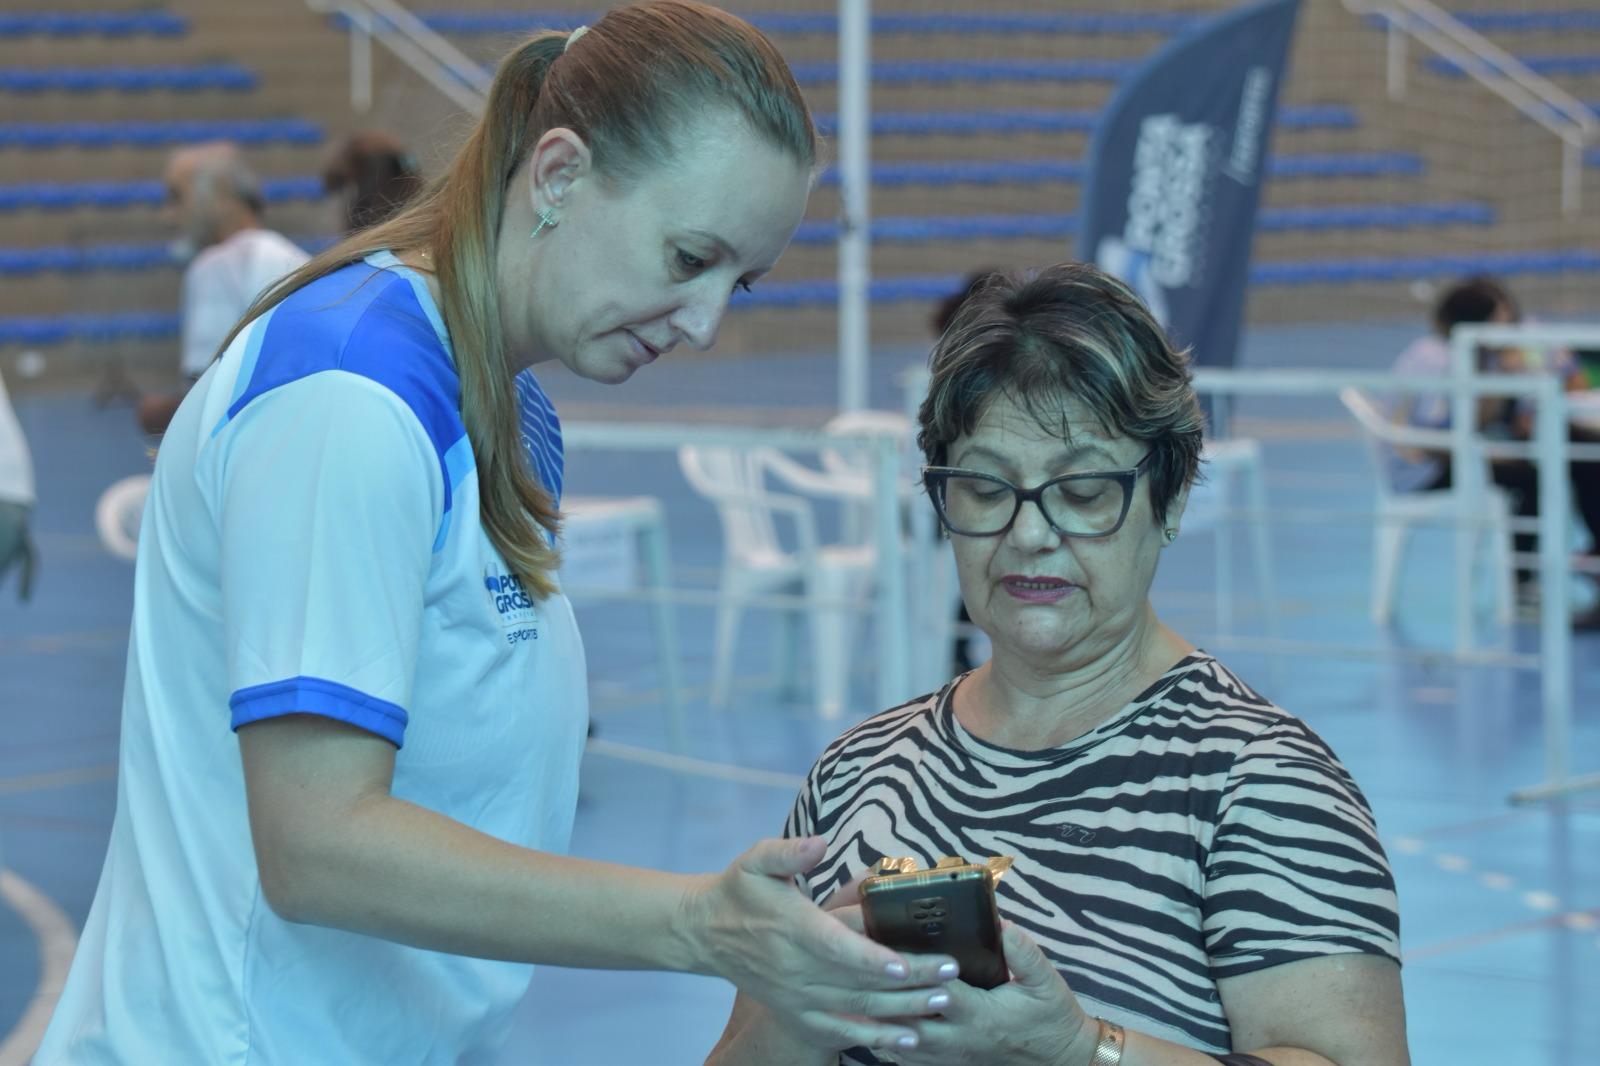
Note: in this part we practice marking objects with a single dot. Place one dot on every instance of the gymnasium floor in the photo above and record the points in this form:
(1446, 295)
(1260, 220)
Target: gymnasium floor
(1500, 905)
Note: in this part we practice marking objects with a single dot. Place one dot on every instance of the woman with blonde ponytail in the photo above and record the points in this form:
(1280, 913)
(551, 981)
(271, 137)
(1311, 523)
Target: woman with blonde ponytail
(355, 703)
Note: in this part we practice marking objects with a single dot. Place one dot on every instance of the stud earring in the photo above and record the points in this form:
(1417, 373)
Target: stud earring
(1171, 533)
(546, 221)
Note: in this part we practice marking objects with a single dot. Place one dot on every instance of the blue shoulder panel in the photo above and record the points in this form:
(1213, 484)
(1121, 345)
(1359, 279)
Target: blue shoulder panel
(369, 322)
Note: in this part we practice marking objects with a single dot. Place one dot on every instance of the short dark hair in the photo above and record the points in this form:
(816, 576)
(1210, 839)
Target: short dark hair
(1472, 300)
(1068, 331)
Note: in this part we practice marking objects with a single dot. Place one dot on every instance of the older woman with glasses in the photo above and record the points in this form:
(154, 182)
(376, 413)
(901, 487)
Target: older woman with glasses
(1197, 878)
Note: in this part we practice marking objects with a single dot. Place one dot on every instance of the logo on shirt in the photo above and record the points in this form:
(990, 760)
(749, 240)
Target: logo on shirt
(513, 605)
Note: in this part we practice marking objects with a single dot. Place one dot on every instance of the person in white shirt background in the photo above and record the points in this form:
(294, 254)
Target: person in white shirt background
(214, 201)
(16, 497)
(1477, 300)
(356, 695)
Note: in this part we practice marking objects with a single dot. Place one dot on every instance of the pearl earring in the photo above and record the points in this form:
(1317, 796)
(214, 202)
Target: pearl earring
(546, 221)
(1171, 533)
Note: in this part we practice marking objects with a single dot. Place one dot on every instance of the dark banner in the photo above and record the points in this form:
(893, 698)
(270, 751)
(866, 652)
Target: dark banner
(1174, 173)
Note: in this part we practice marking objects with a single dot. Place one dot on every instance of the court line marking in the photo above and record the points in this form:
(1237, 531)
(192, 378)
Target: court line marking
(57, 941)
(10, 786)
(684, 764)
(1569, 920)
(49, 643)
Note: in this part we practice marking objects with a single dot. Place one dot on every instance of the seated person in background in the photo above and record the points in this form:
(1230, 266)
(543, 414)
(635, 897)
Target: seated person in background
(1195, 871)
(16, 497)
(374, 174)
(1475, 300)
(214, 201)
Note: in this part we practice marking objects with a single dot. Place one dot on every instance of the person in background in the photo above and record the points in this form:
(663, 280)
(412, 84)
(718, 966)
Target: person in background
(16, 498)
(214, 203)
(1474, 300)
(374, 175)
(356, 695)
(1197, 877)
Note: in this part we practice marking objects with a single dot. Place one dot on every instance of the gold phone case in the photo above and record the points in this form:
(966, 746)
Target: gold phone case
(949, 909)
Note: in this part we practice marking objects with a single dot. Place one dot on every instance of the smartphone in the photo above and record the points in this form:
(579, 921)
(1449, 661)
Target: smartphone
(948, 910)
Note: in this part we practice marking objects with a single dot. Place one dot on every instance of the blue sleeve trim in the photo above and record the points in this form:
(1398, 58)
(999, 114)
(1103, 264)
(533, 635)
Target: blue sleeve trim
(313, 695)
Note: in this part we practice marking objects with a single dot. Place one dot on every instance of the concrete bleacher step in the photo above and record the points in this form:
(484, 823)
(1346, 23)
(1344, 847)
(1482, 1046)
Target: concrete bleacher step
(937, 67)
(812, 35)
(52, 280)
(146, 161)
(799, 315)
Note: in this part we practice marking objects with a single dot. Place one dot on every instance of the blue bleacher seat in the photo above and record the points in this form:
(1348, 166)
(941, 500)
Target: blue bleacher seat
(68, 259)
(926, 288)
(19, 24)
(190, 78)
(44, 135)
(1530, 21)
(41, 330)
(1575, 64)
(967, 71)
(917, 288)
(1070, 171)
(110, 195)
(1501, 264)
(1050, 120)
(915, 230)
(1085, 24)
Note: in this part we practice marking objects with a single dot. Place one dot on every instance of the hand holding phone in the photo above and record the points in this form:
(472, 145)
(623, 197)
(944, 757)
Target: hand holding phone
(949, 909)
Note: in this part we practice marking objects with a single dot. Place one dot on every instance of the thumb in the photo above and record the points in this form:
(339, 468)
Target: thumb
(783, 858)
(1030, 966)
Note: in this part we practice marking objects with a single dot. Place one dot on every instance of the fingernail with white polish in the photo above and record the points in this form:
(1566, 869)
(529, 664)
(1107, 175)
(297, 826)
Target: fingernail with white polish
(907, 1042)
(948, 971)
(938, 1001)
(898, 970)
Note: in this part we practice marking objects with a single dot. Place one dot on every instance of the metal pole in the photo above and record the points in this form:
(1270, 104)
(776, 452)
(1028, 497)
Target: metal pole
(855, 178)
(360, 61)
(1466, 474)
(1571, 176)
(894, 617)
(1396, 60)
(1555, 606)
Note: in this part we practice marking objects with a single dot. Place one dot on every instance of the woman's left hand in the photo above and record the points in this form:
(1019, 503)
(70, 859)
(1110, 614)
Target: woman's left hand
(1032, 1019)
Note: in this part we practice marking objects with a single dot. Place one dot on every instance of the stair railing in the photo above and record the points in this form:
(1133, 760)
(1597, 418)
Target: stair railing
(1493, 67)
(409, 39)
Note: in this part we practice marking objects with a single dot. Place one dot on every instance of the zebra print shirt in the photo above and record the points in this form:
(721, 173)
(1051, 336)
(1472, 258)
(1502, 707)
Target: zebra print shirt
(1198, 834)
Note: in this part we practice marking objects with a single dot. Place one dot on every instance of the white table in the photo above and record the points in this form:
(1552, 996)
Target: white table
(606, 542)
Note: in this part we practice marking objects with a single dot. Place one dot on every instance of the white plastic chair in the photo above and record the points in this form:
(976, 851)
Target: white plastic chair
(610, 543)
(1227, 462)
(118, 513)
(755, 563)
(1399, 511)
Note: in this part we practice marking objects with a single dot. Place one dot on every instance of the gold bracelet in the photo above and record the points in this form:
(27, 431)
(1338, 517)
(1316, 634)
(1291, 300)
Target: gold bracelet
(1108, 1050)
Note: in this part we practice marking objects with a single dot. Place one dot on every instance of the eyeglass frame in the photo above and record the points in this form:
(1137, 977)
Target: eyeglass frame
(1128, 479)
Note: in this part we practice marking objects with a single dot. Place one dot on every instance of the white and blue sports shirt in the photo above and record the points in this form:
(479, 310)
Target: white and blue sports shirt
(311, 544)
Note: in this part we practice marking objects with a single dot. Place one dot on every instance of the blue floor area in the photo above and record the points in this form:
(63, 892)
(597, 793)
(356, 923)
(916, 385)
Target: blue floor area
(1500, 905)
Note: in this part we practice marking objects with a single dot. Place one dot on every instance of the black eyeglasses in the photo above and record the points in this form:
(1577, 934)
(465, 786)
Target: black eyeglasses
(1092, 504)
